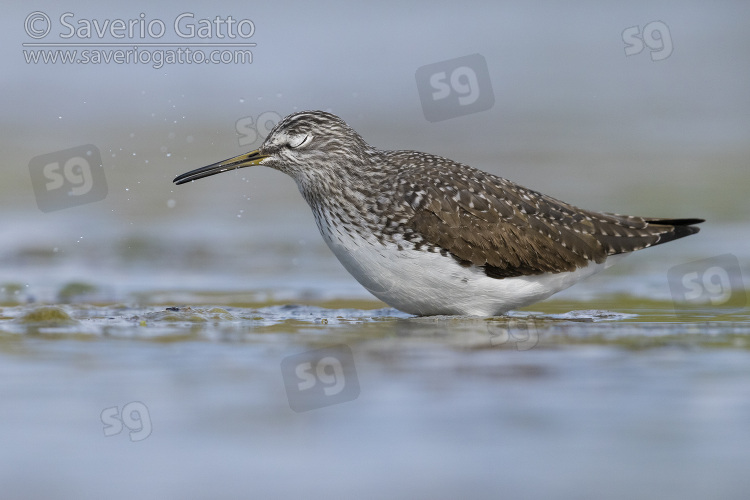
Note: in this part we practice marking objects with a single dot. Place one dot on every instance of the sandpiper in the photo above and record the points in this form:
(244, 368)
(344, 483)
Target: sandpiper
(428, 235)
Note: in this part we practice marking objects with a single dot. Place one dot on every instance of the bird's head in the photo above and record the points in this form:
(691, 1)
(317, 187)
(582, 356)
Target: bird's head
(305, 145)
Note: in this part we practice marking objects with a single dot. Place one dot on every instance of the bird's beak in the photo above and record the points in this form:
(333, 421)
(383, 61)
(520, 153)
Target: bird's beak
(241, 161)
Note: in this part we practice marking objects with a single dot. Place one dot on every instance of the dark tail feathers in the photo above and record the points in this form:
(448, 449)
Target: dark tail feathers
(679, 228)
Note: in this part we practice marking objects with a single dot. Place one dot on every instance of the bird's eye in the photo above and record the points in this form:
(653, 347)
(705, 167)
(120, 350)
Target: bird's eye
(300, 140)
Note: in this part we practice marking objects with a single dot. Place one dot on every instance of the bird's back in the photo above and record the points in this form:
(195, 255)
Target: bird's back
(485, 220)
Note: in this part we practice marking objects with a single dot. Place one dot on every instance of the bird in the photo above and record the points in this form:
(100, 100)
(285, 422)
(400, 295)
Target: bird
(431, 236)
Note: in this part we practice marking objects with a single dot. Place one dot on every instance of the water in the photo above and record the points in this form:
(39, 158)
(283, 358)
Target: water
(646, 411)
(606, 390)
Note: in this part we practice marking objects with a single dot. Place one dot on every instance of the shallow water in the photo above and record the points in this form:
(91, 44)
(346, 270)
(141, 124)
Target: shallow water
(176, 368)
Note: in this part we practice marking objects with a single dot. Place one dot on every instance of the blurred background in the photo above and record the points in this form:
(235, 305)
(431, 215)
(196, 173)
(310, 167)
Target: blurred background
(636, 107)
(661, 132)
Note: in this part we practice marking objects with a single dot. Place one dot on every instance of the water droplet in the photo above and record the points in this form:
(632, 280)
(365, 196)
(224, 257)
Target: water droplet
(171, 203)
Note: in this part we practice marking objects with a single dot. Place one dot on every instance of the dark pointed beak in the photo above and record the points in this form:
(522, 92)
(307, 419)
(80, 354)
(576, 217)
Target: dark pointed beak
(241, 161)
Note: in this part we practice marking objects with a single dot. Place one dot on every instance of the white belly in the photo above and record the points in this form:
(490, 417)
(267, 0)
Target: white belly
(424, 283)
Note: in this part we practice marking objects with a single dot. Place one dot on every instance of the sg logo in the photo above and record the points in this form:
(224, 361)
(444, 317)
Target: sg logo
(333, 380)
(76, 171)
(455, 87)
(249, 131)
(463, 81)
(715, 282)
(655, 36)
(319, 378)
(68, 178)
(134, 416)
(521, 333)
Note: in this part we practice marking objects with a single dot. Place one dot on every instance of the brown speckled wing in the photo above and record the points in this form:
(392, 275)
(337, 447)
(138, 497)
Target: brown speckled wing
(488, 221)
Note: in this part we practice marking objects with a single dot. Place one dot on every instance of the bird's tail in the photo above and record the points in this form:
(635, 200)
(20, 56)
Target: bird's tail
(675, 228)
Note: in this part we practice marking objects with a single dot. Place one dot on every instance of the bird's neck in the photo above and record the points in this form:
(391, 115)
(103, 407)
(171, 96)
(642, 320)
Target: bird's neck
(345, 196)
